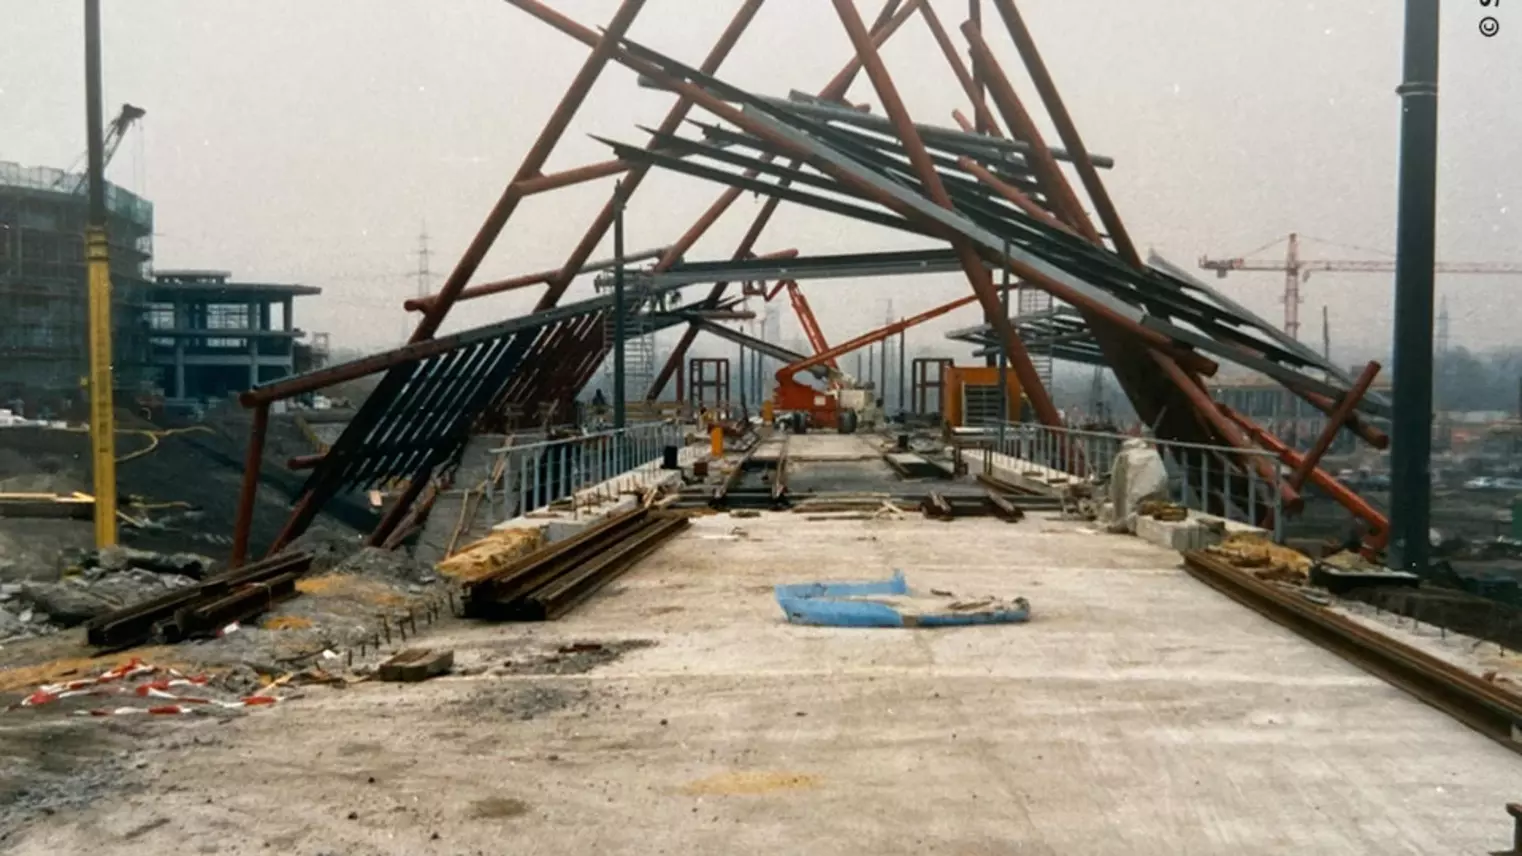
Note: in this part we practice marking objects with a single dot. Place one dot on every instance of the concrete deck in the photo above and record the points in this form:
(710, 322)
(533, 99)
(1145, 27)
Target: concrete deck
(1138, 713)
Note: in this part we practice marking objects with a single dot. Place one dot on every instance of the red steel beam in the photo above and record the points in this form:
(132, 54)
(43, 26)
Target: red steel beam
(975, 17)
(1334, 423)
(569, 177)
(303, 462)
(972, 263)
(1226, 429)
(418, 304)
(888, 22)
(532, 164)
(248, 493)
(1048, 174)
(1379, 525)
(1371, 435)
(669, 125)
(1014, 195)
(985, 123)
(1067, 131)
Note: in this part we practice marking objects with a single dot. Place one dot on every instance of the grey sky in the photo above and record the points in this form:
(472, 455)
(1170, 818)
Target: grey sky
(310, 141)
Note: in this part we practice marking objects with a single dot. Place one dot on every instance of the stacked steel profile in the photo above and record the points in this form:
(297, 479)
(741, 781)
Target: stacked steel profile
(552, 580)
(205, 608)
(992, 190)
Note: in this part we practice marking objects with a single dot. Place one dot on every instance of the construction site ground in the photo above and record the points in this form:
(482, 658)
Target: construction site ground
(1138, 712)
(186, 476)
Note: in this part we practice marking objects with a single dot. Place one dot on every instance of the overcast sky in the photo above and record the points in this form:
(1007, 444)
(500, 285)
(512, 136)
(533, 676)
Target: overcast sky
(293, 140)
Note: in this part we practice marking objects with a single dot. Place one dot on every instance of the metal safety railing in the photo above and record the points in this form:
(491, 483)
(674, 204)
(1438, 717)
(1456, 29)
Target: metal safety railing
(1245, 486)
(535, 475)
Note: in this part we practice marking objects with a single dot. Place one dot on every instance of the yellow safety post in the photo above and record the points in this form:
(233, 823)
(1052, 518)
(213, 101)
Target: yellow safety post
(716, 441)
(102, 411)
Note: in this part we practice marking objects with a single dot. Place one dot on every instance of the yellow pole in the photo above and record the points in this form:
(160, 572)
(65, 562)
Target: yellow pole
(98, 268)
(102, 412)
(716, 441)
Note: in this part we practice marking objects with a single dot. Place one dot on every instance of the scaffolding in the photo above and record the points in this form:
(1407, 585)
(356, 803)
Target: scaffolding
(1033, 302)
(639, 338)
(43, 344)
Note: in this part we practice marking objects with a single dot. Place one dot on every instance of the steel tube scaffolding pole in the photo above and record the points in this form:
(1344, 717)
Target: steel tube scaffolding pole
(1415, 255)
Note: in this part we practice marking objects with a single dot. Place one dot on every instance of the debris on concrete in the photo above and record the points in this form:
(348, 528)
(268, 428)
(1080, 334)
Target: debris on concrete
(890, 603)
(1162, 509)
(416, 664)
(392, 565)
(327, 547)
(575, 658)
(136, 687)
(1263, 558)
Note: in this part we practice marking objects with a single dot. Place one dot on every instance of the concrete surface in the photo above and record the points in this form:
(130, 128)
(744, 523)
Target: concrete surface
(1139, 712)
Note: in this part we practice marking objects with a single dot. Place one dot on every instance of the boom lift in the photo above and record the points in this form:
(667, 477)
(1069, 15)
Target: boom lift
(806, 318)
(823, 408)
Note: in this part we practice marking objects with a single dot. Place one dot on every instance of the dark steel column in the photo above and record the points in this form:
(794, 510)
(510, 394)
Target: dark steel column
(740, 366)
(902, 351)
(1411, 425)
(1003, 357)
(619, 310)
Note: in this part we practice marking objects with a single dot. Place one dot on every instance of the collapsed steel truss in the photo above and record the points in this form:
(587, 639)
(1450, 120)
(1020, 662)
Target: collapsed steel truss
(993, 190)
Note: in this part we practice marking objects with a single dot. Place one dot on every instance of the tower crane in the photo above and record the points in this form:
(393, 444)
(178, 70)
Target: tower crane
(1297, 270)
(113, 140)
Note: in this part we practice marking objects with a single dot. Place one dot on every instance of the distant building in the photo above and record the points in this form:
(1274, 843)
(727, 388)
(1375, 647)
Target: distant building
(182, 336)
(211, 337)
(1287, 415)
(44, 326)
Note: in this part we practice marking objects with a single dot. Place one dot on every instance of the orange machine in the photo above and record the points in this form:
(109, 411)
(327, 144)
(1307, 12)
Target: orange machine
(823, 406)
(970, 395)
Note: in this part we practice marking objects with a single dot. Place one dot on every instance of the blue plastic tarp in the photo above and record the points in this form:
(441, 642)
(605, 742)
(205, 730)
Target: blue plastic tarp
(853, 605)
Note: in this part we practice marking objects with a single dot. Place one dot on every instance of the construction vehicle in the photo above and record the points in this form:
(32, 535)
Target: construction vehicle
(806, 319)
(843, 404)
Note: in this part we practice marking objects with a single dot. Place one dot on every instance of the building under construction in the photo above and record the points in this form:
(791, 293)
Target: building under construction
(42, 286)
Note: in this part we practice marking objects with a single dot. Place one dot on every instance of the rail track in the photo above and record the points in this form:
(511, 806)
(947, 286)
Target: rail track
(1483, 706)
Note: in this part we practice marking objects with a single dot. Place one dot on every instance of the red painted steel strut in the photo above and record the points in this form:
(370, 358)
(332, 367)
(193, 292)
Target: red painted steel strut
(533, 162)
(888, 22)
(1379, 525)
(972, 264)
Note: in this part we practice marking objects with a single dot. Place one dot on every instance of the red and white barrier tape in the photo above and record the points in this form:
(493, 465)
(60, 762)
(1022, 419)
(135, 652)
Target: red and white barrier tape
(160, 689)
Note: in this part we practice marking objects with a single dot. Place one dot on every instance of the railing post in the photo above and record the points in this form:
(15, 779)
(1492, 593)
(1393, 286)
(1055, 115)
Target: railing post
(1205, 484)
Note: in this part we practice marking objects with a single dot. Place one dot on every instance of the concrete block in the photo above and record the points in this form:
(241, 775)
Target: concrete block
(1180, 535)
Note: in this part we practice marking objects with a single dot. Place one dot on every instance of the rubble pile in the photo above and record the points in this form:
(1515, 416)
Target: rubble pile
(92, 585)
